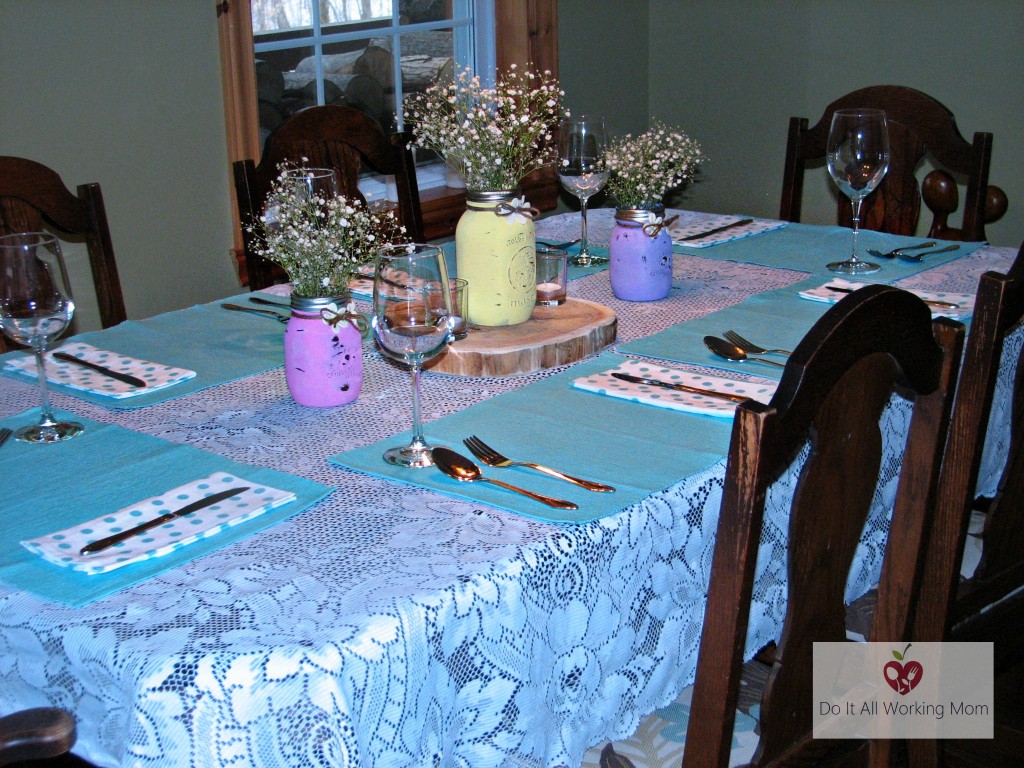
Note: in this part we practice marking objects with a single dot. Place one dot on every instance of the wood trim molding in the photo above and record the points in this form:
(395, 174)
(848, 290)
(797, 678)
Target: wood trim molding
(527, 34)
(238, 77)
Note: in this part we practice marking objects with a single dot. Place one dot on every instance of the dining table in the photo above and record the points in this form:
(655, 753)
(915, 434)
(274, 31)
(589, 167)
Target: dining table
(382, 616)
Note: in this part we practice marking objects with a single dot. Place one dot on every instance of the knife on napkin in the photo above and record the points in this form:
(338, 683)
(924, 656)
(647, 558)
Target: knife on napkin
(715, 231)
(929, 302)
(109, 541)
(679, 387)
(126, 378)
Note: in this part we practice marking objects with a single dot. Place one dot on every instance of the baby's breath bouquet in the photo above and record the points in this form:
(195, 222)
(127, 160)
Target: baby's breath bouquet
(493, 136)
(644, 168)
(320, 241)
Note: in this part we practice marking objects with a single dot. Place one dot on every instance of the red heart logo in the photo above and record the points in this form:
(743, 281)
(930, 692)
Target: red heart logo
(903, 678)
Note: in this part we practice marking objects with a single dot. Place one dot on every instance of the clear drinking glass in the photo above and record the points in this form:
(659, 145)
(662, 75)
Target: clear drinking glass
(35, 307)
(315, 184)
(410, 324)
(858, 158)
(581, 169)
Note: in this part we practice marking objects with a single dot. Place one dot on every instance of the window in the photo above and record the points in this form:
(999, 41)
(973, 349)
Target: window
(367, 54)
(489, 34)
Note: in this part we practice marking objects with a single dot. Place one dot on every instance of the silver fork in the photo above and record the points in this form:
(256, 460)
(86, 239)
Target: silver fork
(492, 458)
(5, 435)
(750, 347)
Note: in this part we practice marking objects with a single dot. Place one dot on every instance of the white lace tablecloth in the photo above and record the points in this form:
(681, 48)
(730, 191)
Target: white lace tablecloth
(390, 626)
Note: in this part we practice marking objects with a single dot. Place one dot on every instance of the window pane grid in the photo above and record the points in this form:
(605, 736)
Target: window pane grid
(312, 54)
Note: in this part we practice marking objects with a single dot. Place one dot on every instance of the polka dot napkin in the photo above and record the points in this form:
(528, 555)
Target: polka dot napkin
(603, 383)
(62, 547)
(690, 228)
(155, 375)
(964, 301)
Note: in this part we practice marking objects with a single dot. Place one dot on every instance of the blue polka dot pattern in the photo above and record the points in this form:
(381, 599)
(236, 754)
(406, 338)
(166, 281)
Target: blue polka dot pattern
(62, 547)
(603, 383)
(155, 375)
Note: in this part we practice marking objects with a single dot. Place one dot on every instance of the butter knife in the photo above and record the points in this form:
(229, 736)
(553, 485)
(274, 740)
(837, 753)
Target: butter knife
(680, 387)
(715, 231)
(929, 302)
(126, 378)
(116, 538)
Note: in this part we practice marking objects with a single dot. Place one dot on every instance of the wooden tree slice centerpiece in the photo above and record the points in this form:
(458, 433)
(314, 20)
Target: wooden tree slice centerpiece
(553, 336)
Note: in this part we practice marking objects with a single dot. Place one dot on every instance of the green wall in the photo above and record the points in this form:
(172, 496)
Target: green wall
(732, 72)
(127, 93)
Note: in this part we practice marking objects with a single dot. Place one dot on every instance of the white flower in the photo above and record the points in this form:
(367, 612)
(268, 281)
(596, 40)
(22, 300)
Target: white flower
(643, 169)
(497, 135)
(320, 242)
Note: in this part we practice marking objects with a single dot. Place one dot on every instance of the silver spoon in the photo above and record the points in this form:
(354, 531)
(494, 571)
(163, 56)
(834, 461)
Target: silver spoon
(919, 256)
(253, 310)
(898, 251)
(730, 351)
(462, 469)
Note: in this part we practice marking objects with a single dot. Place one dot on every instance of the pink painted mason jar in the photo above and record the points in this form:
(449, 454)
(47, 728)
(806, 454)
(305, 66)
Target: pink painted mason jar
(323, 353)
(639, 257)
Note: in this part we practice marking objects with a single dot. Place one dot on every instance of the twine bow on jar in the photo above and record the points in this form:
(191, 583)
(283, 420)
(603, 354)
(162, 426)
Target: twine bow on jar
(332, 314)
(518, 209)
(655, 224)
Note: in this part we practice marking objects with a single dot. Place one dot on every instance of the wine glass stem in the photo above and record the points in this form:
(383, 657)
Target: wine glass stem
(417, 427)
(855, 203)
(46, 418)
(583, 229)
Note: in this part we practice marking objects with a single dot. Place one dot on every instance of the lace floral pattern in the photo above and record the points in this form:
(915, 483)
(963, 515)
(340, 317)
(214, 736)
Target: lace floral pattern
(389, 625)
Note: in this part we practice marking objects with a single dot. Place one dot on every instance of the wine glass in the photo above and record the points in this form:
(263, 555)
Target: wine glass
(36, 306)
(858, 158)
(581, 169)
(410, 323)
(313, 182)
(308, 184)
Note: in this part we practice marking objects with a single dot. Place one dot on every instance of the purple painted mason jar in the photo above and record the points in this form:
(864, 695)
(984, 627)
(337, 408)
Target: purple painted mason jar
(639, 257)
(323, 353)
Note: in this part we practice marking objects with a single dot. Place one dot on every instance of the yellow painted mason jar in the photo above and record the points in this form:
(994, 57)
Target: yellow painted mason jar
(495, 252)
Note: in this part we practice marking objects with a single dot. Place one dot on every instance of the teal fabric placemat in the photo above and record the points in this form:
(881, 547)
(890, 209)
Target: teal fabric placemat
(811, 248)
(777, 319)
(637, 448)
(47, 488)
(576, 272)
(219, 345)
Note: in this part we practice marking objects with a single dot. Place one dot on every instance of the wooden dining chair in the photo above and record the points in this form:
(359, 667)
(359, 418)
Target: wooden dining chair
(959, 606)
(831, 396)
(36, 734)
(33, 198)
(986, 604)
(330, 136)
(918, 126)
